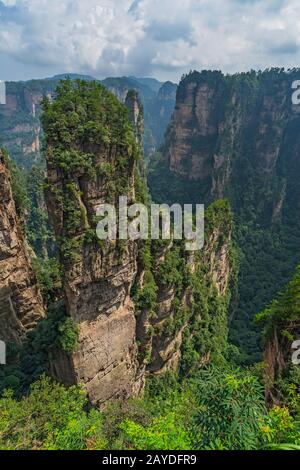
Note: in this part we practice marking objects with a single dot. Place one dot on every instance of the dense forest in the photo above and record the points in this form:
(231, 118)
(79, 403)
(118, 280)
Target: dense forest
(182, 357)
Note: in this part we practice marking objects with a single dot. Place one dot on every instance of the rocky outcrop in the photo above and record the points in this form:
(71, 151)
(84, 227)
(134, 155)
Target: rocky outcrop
(165, 327)
(19, 119)
(21, 304)
(237, 137)
(136, 114)
(281, 322)
(98, 274)
(133, 318)
(218, 121)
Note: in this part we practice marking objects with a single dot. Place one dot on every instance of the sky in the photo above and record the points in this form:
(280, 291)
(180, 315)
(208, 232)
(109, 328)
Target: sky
(158, 38)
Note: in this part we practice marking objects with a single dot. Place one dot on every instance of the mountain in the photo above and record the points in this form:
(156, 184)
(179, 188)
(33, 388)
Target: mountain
(21, 304)
(237, 137)
(138, 307)
(72, 76)
(151, 83)
(20, 129)
(158, 101)
(117, 315)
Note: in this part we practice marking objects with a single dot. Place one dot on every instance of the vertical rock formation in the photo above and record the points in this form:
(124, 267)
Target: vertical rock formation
(190, 297)
(136, 114)
(91, 163)
(221, 123)
(137, 304)
(21, 305)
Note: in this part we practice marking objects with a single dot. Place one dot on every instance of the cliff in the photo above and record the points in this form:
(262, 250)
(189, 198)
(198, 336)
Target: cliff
(20, 126)
(135, 114)
(281, 329)
(96, 168)
(21, 304)
(237, 137)
(135, 316)
(182, 298)
(221, 121)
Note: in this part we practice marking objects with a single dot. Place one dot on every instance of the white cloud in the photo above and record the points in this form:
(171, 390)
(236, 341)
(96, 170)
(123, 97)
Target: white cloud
(159, 37)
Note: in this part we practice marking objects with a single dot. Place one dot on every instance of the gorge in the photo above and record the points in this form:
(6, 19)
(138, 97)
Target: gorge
(113, 316)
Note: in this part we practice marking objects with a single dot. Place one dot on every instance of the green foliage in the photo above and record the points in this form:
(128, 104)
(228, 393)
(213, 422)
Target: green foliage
(39, 233)
(164, 433)
(18, 185)
(146, 296)
(48, 273)
(284, 312)
(170, 272)
(50, 417)
(26, 363)
(279, 429)
(231, 404)
(68, 335)
(259, 176)
(220, 409)
(83, 122)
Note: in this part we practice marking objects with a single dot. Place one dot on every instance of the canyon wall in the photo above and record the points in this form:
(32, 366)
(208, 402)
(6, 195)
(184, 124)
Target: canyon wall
(237, 137)
(20, 126)
(185, 323)
(21, 305)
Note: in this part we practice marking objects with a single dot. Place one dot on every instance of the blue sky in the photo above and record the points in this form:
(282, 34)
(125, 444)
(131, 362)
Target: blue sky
(161, 38)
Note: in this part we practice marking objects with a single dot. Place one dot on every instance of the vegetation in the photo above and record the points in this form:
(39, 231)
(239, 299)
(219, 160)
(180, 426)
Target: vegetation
(212, 402)
(225, 411)
(263, 194)
(84, 121)
(57, 333)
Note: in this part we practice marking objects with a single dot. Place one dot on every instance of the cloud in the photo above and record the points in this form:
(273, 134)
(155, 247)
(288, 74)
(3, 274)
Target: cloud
(168, 31)
(164, 38)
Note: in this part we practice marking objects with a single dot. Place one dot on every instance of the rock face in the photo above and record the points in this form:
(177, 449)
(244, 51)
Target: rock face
(220, 122)
(281, 339)
(172, 330)
(158, 105)
(237, 137)
(19, 119)
(132, 318)
(20, 126)
(136, 114)
(98, 274)
(21, 304)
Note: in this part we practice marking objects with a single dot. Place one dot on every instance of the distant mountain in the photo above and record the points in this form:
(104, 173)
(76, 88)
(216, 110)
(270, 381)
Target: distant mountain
(158, 105)
(152, 83)
(73, 76)
(120, 86)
